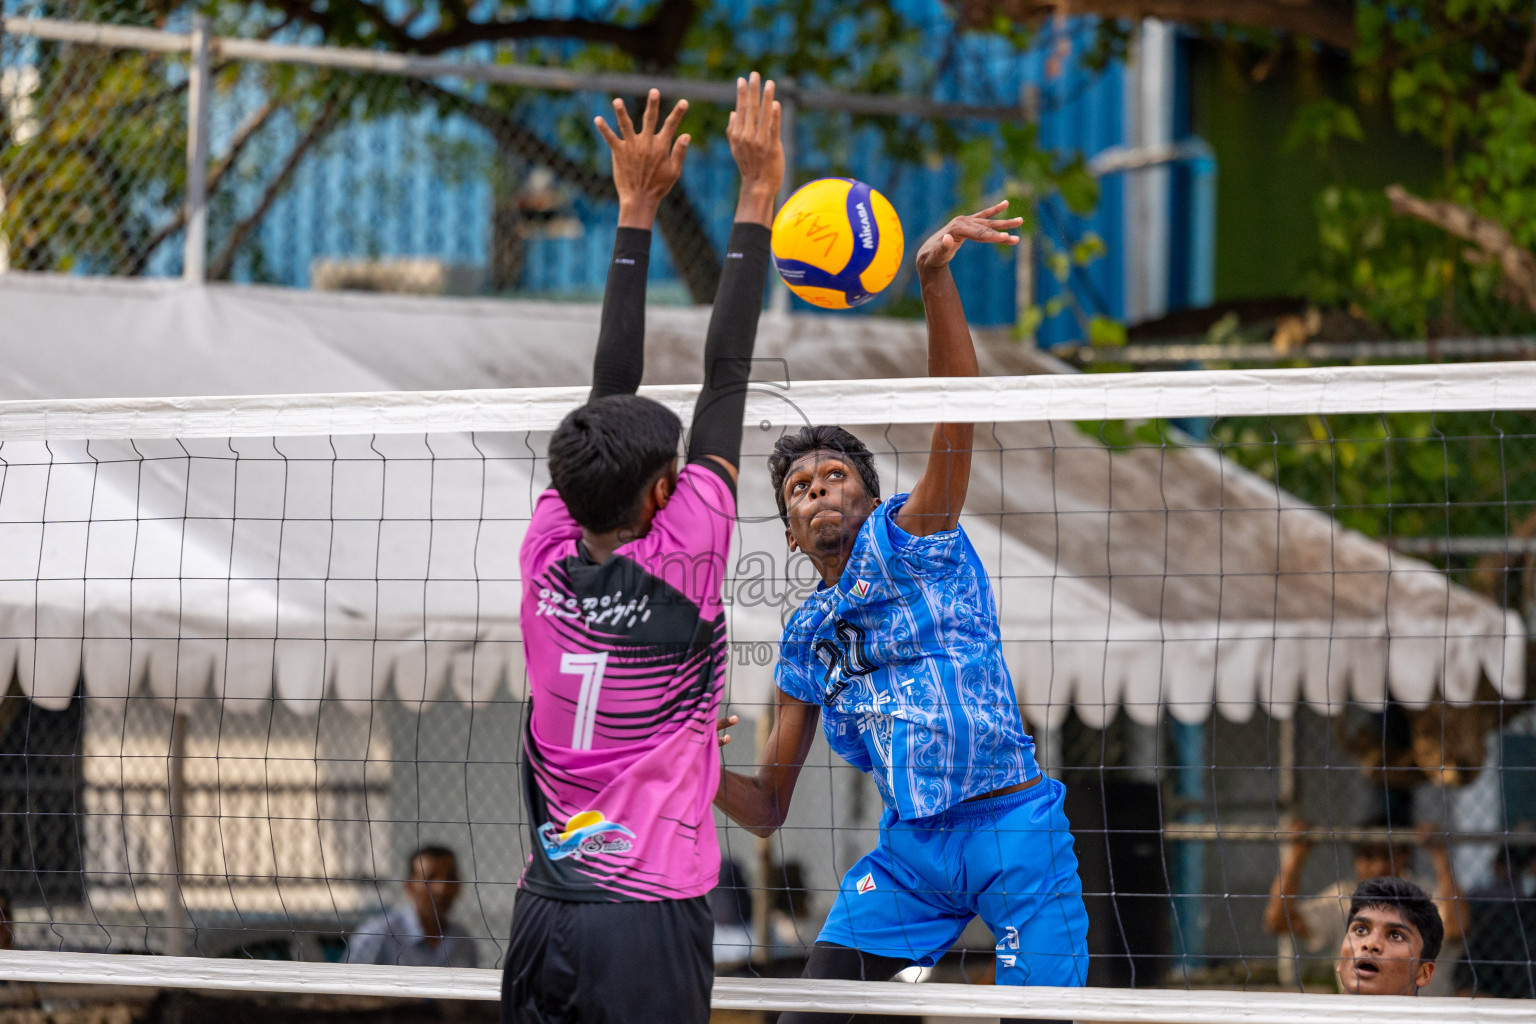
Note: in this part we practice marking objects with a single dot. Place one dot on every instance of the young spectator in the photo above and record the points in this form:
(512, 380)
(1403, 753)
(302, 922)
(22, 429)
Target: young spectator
(1316, 923)
(1392, 938)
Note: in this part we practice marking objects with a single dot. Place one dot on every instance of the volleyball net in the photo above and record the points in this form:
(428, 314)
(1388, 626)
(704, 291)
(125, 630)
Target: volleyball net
(261, 650)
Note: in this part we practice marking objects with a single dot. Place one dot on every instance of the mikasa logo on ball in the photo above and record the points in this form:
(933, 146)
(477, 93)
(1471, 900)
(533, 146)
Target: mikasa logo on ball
(866, 231)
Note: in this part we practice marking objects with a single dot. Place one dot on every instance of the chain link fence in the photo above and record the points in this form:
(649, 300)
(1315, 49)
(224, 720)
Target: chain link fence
(331, 168)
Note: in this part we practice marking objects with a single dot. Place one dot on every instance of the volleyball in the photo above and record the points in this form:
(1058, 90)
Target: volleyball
(837, 243)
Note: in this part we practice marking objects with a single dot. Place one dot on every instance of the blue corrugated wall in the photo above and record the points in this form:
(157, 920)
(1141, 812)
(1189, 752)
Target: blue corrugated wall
(383, 189)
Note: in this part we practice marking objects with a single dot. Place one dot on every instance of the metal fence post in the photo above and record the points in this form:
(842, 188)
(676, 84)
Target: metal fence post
(1024, 285)
(195, 259)
(778, 299)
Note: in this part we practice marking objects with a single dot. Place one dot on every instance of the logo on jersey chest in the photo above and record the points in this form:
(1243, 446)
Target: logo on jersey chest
(865, 884)
(861, 589)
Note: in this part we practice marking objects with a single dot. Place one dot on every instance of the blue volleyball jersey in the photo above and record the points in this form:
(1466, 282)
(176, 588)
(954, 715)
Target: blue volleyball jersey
(904, 656)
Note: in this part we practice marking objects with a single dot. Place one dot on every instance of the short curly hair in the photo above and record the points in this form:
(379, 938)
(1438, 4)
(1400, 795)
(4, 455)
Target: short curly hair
(606, 453)
(1391, 893)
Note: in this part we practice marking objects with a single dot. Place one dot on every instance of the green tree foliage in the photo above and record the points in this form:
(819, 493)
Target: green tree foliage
(1459, 76)
(861, 45)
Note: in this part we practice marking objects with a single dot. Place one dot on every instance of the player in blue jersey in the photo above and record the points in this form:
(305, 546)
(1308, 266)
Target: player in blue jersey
(898, 652)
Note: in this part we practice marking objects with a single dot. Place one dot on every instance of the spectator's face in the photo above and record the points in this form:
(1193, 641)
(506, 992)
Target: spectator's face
(1380, 955)
(432, 889)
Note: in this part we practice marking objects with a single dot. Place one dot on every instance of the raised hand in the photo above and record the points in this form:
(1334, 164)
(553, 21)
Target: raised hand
(647, 162)
(753, 132)
(982, 226)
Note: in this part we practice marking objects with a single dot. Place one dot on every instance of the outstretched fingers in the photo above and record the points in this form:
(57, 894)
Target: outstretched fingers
(626, 126)
(979, 228)
(767, 105)
(606, 132)
(652, 112)
(674, 119)
(679, 151)
(753, 100)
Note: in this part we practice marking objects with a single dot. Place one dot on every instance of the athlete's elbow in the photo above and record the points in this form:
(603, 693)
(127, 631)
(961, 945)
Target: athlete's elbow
(764, 829)
(766, 821)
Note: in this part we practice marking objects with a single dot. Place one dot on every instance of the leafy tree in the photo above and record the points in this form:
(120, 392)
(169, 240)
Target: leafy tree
(1457, 75)
(863, 46)
(1460, 77)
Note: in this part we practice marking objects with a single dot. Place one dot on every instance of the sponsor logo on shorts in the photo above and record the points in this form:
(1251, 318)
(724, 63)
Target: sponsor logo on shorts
(585, 834)
(861, 589)
(866, 884)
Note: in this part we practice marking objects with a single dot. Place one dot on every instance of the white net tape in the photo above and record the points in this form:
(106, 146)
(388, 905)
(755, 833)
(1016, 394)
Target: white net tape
(1481, 387)
(776, 994)
(1399, 651)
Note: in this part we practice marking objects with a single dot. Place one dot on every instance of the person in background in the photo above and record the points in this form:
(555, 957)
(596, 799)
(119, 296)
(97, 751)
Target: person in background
(1391, 940)
(730, 903)
(418, 931)
(1501, 931)
(1315, 923)
(7, 922)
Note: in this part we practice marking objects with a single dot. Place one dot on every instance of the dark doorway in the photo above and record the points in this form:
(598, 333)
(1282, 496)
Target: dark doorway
(40, 785)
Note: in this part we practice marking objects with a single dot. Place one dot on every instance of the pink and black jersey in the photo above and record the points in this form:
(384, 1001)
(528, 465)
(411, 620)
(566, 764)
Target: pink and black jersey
(625, 661)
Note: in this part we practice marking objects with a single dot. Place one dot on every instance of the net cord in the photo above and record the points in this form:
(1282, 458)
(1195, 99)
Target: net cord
(1431, 387)
(1144, 1006)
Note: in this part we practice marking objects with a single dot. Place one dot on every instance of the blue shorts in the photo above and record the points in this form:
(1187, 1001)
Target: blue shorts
(1007, 859)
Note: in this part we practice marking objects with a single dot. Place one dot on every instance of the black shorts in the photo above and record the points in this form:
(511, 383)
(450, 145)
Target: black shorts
(608, 963)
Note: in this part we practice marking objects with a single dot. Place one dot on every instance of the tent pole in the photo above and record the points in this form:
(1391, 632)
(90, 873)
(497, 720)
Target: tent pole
(1285, 946)
(176, 922)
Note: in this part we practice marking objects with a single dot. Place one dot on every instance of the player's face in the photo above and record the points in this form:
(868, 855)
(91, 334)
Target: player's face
(1380, 955)
(826, 502)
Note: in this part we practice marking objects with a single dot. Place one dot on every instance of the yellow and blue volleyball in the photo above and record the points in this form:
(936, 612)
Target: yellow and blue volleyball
(837, 243)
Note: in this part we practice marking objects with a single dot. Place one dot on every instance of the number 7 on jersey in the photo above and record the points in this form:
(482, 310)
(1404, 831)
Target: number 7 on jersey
(590, 667)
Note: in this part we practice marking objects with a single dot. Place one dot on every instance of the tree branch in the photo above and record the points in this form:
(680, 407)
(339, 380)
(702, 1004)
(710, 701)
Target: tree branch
(1528, 59)
(654, 42)
(243, 135)
(1330, 22)
(329, 115)
(1491, 237)
(678, 220)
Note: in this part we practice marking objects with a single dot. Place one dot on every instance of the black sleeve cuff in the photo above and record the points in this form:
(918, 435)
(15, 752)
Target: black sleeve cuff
(631, 246)
(712, 464)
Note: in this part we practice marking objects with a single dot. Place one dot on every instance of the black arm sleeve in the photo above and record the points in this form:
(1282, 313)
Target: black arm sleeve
(728, 347)
(620, 361)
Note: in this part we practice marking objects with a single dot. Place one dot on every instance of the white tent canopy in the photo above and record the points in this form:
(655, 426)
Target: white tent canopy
(354, 566)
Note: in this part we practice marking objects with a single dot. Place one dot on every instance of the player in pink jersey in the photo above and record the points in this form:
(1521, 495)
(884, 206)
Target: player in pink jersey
(623, 627)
